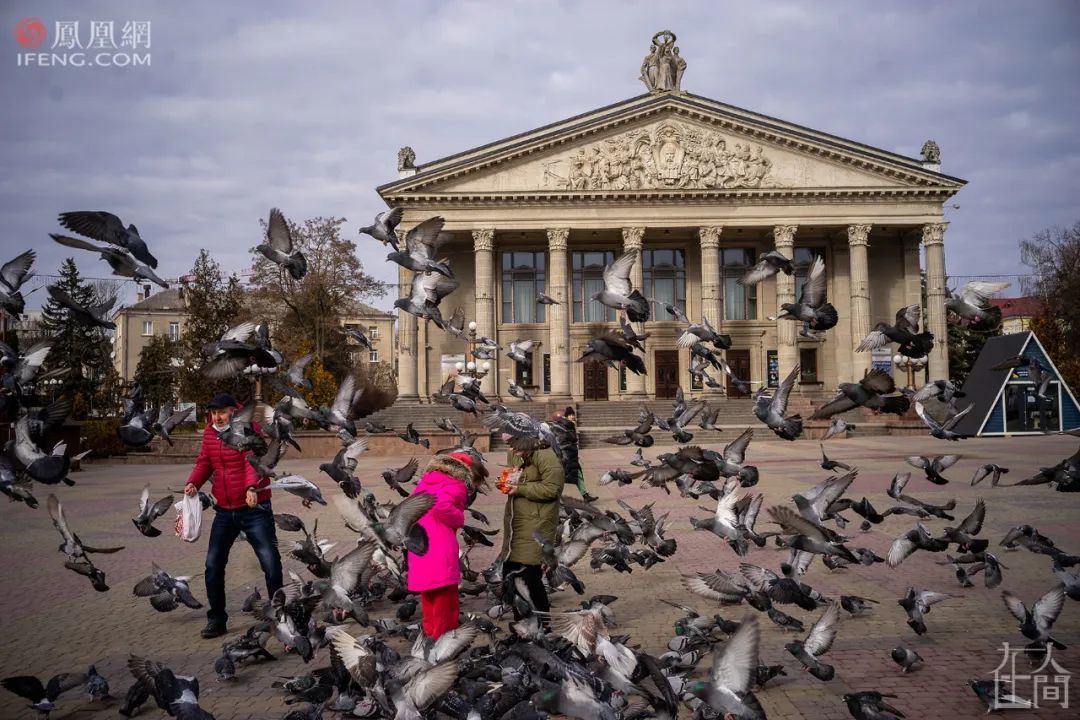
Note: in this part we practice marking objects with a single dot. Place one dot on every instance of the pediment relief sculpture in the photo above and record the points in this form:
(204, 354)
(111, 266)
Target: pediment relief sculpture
(669, 156)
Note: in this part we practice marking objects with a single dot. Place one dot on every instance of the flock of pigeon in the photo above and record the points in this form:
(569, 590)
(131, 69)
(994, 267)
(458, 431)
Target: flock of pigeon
(349, 614)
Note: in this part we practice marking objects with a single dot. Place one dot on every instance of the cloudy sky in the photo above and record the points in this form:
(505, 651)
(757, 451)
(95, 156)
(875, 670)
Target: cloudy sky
(303, 105)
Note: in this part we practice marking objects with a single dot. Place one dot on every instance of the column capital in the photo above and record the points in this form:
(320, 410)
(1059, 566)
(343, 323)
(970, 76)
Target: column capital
(631, 237)
(858, 234)
(710, 236)
(557, 238)
(483, 239)
(784, 235)
(934, 233)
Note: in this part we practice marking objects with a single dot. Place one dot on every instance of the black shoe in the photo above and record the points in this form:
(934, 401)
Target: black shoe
(213, 629)
(589, 498)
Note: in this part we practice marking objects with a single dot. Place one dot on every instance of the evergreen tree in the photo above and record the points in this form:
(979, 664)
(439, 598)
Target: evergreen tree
(156, 372)
(84, 352)
(215, 303)
(966, 342)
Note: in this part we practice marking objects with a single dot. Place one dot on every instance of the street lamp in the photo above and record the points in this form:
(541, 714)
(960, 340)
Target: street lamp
(911, 365)
(460, 367)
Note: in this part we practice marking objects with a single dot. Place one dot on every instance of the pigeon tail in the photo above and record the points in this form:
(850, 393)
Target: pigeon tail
(638, 311)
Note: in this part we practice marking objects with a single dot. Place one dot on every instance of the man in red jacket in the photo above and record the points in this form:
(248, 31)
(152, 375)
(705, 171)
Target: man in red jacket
(243, 504)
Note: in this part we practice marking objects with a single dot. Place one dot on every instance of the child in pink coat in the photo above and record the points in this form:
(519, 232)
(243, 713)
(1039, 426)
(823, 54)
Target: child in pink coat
(436, 574)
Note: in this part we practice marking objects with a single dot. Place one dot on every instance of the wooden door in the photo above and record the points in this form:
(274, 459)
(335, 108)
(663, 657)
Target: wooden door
(596, 381)
(666, 370)
(739, 361)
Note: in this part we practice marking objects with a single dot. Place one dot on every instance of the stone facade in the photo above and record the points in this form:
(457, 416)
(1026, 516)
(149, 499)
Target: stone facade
(692, 186)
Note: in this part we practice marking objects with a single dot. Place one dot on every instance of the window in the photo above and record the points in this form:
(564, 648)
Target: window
(174, 330)
(547, 372)
(622, 378)
(523, 372)
(804, 256)
(588, 269)
(522, 281)
(147, 327)
(373, 332)
(373, 356)
(808, 365)
(740, 301)
(664, 274)
(1025, 412)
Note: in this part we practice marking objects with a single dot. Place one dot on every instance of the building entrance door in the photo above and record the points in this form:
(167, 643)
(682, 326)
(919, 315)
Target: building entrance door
(596, 381)
(666, 368)
(739, 362)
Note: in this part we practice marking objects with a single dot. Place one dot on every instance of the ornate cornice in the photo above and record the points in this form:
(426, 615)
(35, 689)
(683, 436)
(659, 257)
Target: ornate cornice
(710, 236)
(858, 234)
(934, 233)
(483, 240)
(740, 197)
(631, 237)
(557, 238)
(784, 236)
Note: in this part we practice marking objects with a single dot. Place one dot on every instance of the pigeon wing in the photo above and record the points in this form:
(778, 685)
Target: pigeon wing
(278, 234)
(814, 289)
(735, 451)
(617, 274)
(735, 664)
(14, 272)
(823, 632)
(1048, 607)
(780, 399)
(907, 318)
(408, 511)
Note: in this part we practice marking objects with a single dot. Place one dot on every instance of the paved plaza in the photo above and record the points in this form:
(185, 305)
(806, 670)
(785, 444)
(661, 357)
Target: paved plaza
(53, 621)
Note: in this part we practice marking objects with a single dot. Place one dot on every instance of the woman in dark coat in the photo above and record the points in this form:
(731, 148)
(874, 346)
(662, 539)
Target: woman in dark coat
(568, 444)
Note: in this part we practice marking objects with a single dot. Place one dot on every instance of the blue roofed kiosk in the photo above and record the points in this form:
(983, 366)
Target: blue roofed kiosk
(1006, 401)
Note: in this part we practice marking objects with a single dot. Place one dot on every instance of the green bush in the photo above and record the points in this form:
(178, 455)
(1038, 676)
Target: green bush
(99, 435)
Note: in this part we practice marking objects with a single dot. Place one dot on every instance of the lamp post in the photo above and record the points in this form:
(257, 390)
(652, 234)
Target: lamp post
(911, 365)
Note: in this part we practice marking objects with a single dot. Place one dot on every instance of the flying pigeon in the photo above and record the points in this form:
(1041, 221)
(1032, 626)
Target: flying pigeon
(122, 263)
(384, 229)
(13, 274)
(770, 409)
(768, 264)
(618, 293)
(106, 227)
(279, 247)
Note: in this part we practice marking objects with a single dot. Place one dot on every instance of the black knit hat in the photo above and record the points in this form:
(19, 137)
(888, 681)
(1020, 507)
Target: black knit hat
(569, 411)
(222, 400)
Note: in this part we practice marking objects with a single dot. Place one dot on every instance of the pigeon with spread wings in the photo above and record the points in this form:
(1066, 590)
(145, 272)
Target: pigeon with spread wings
(619, 293)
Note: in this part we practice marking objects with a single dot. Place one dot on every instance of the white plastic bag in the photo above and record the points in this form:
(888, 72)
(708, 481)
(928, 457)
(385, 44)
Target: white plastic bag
(188, 518)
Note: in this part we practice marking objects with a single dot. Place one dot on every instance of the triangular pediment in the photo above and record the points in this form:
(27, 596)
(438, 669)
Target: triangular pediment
(670, 144)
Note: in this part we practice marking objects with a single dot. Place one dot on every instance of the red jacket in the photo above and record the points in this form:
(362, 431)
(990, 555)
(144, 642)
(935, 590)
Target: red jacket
(233, 474)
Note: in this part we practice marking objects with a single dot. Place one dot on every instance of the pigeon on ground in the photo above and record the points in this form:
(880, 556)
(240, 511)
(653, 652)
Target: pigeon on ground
(178, 695)
(972, 303)
(618, 293)
(384, 229)
(996, 697)
(770, 409)
(106, 227)
(13, 274)
(905, 657)
(90, 316)
(769, 264)
(122, 263)
(280, 247)
(871, 705)
(905, 333)
(148, 513)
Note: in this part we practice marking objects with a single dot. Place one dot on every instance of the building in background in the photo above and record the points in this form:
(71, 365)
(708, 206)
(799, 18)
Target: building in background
(378, 326)
(696, 189)
(1016, 313)
(163, 313)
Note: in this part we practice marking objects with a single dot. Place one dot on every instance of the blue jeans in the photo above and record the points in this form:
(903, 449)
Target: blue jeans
(258, 524)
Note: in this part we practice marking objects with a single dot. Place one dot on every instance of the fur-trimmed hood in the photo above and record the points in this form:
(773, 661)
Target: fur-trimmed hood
(450, 466)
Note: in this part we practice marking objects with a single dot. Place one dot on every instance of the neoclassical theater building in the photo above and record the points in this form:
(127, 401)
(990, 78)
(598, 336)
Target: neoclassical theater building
(697, 189)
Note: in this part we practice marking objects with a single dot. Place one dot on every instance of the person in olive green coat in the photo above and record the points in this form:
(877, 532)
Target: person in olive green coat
(531, 506)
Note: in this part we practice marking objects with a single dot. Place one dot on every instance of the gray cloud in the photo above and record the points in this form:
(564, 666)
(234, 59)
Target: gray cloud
(303, 105)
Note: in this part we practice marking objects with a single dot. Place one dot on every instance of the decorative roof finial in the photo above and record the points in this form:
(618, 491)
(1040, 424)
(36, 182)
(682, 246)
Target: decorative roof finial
(931, 153)
(406, 162)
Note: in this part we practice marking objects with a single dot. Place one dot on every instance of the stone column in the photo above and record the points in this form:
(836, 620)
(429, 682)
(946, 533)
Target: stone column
(710, 274)
(933, 237)
(786, 351)
(558, 315)
(842, 340)
(860, 297)
(408, 345)
(912, 241)
(635, 384)
(484, 248)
